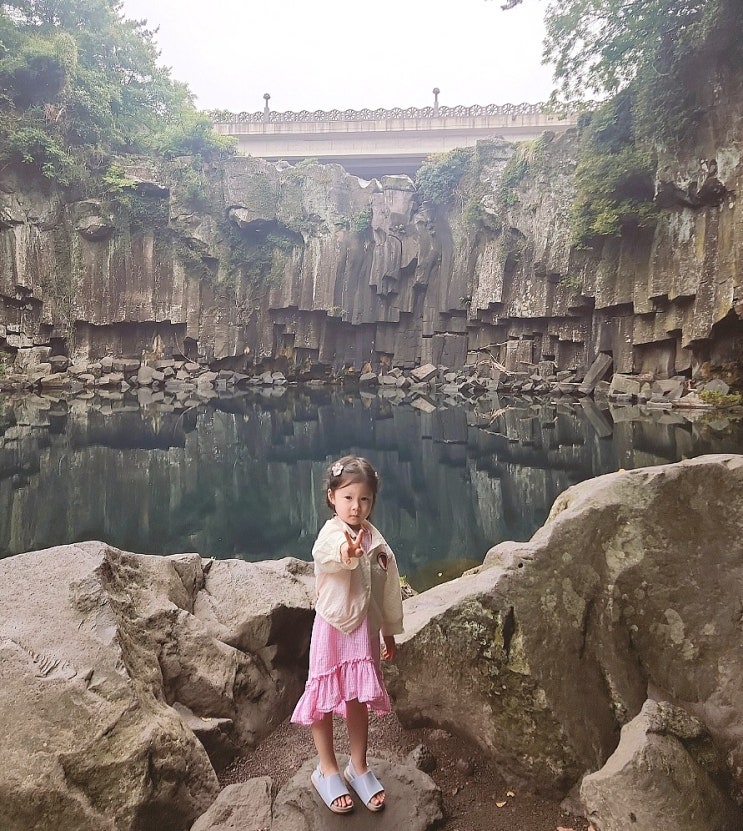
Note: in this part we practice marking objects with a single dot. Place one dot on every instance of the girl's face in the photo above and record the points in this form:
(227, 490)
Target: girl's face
(353, 502)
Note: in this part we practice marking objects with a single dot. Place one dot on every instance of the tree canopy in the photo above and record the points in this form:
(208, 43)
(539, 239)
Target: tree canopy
(600, 45)
(656, 47)
(78, 82)
(656, 64)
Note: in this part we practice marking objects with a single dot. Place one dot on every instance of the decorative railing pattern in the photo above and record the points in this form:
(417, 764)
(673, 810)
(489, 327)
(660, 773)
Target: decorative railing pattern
(267, 116)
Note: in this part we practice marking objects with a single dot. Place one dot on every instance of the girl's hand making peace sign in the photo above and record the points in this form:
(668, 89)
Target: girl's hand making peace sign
(351, 548)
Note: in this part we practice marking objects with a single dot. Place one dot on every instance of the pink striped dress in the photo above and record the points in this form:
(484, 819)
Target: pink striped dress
(342, 668)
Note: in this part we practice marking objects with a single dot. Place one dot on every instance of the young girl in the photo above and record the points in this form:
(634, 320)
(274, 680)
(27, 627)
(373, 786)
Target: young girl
(358, 596)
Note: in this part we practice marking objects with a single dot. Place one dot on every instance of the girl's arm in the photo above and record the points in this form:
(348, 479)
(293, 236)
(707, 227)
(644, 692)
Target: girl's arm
(328, 550)
(391, 606)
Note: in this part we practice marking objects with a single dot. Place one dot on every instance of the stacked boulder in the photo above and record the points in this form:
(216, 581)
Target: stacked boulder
(127, 679)
(482, 376)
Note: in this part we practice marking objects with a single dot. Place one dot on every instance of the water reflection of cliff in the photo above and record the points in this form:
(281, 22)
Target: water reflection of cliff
(242, 476)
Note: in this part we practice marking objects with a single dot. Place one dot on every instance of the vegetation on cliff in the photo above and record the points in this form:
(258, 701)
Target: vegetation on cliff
(463, 178)
(78, 84)
(645, 59)
(615, 174)
(80, 88)
(648, 55)
(441, 175)
(657, 48)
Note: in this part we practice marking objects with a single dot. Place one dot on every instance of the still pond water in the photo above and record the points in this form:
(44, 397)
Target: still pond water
(241, 477)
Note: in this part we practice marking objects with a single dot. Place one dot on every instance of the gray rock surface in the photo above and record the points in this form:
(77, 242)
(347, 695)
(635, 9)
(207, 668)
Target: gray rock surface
(412, 802)
(312, 266)
(124, 678)
(100, 651)
(245, 806)
(665, 775)
(549, 648)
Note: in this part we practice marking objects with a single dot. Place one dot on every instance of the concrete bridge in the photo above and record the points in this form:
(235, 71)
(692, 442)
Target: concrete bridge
(371, 143)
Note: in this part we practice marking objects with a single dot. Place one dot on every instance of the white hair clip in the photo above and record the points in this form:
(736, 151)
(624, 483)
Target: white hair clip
(336, 469)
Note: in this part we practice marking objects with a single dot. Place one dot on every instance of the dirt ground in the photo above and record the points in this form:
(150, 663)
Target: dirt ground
(475, 796)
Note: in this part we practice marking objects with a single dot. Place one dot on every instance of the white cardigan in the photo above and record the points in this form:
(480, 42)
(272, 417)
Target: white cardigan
(347, 593)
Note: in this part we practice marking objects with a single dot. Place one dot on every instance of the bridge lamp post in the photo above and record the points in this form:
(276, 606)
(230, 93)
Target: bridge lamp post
(266, 111)
(436, 92)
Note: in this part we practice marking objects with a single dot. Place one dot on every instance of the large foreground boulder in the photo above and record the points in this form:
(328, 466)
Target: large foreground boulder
(110, 665)
(631, 590)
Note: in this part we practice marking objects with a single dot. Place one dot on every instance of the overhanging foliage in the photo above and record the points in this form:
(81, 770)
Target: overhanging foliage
(79, 83)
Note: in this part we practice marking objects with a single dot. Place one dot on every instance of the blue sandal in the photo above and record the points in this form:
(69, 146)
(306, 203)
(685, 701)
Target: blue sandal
(366, 786)
(331, 788)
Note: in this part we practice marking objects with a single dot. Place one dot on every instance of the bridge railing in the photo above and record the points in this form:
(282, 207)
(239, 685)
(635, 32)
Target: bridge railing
(306, 116)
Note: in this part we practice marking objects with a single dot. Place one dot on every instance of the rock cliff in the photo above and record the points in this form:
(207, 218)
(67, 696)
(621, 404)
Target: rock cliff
(245, 263)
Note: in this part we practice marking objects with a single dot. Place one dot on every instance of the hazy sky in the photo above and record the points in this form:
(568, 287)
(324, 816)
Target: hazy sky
(340, 54)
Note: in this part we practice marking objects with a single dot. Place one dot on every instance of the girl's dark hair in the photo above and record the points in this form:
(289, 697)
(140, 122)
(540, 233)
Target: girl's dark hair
(350, 469)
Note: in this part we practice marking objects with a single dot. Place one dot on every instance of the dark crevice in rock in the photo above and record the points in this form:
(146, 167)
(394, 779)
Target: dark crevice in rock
(509, 628)
(585, 625)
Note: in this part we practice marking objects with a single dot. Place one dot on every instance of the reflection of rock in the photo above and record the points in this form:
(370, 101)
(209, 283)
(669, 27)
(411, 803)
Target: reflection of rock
(544, 653)
(99, 646)
(506, 476)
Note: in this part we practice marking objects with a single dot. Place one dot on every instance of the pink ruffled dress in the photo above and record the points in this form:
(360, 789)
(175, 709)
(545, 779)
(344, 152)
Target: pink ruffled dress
(342, 668)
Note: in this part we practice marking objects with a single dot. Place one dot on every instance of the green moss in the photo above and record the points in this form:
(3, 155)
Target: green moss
(191, 184)
(528, 158)
(299, 172)
(361, 221)
(572, 282)
(142, 212)
(262, 191)
(61, 285)
(440, 175)
(476, 216)
(192, 259)
(133, 210)
(721, 400)
(615, 176)
(258, 254)
(462, 177)
(114, 180)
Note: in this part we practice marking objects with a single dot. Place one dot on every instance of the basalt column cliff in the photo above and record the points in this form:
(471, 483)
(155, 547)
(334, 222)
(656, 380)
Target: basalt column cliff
(250, 264)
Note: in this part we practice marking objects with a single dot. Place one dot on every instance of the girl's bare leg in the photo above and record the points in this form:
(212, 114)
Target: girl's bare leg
(322, 735)
(357, 721)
